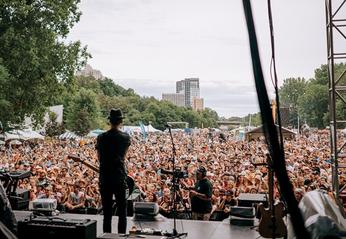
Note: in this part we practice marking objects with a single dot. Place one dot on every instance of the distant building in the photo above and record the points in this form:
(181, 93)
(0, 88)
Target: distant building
(190, 88)
(57, 109)
(89, 71)
(197, 103)
(59, 112)
(177, 99)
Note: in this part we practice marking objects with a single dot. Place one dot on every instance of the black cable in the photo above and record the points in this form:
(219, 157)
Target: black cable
(275, 82)
(270, 130)
(273, 61)
(273, 70)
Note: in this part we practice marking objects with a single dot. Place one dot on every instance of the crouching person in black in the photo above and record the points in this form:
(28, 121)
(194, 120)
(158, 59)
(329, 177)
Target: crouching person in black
(112, 147)
(227, 202)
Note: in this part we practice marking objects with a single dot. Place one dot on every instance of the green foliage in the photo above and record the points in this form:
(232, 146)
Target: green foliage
(52, 127)
(255, 119)
(321, 75)
(83, 112)
(5, 113)
(87, 102)
(309, 99)
(35, 54)
(110, 89)
(289, 92)
(313, 104)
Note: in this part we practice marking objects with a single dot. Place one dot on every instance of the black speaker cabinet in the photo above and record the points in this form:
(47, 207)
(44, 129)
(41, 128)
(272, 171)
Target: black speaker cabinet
(251, 199)
(42, 227)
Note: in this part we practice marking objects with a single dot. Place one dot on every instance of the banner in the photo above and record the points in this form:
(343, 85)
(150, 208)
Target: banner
(144, 133)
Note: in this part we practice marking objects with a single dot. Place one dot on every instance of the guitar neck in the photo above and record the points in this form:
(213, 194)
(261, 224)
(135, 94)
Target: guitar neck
(86, 163)
(91, 166)
(271, 188)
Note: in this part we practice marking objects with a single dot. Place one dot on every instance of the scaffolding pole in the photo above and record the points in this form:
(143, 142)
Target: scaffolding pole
(335, 25)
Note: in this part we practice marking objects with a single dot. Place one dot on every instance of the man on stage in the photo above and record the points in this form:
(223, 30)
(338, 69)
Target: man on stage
(201, 196)
(112, 147)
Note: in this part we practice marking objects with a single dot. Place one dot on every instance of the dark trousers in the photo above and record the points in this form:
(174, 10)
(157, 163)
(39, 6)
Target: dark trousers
(107, 193)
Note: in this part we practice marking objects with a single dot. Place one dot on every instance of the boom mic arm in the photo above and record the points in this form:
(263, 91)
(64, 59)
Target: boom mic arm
(167, 125)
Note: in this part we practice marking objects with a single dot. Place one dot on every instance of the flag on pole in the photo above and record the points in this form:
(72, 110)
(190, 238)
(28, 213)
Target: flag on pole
(143, 130)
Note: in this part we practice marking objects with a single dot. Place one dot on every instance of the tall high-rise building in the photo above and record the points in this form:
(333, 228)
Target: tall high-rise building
(175, 98)
(190, 88)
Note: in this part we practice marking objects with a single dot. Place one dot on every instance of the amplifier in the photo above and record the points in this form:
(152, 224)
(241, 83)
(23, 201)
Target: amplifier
(54, 228)
(249, 199)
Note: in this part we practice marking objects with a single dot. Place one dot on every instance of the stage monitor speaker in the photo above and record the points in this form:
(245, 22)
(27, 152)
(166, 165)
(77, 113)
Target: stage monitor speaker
(245, 212)
(146, 211)
(146, 208)
(240, 221)
(56, 228)
(43, 205)
(250, 199)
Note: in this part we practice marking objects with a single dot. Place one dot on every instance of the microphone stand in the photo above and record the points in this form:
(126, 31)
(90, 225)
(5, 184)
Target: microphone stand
(175, 233)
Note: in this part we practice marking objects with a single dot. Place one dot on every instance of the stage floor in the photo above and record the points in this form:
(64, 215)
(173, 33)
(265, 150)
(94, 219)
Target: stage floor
(195, 229)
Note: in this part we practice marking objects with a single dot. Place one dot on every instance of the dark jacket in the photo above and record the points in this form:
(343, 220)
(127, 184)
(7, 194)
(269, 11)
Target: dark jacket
(112, 147)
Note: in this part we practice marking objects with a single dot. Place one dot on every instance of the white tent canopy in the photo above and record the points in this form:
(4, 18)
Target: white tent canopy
(95, 133)
(25, 134)
(69, 135)
(137, 129)
(132, 129)
(150, 128)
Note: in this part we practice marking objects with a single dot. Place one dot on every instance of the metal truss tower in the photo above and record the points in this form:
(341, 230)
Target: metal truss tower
(335, 26)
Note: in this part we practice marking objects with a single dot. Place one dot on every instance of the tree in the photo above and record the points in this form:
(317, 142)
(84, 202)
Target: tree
(6, 112)
(255, 119)
(83, 113)
(52, 127)
(105, 94)
(109, 88)
(36, 55)
(321, 75)
(313, 105)
(208, 118)
(289, 92)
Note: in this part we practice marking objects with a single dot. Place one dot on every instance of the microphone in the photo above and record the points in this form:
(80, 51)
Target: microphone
(168, 125)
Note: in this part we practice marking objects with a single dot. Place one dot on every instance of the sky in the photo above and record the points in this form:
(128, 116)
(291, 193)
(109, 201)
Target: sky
(148, 45)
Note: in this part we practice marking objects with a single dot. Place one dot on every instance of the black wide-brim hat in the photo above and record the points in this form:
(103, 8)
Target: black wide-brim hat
(115, 114)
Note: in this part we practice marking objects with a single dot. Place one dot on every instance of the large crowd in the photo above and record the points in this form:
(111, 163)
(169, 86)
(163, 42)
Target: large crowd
(231, 165)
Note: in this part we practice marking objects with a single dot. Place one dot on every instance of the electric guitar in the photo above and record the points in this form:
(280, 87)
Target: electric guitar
(271, 224)
(129, 180)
